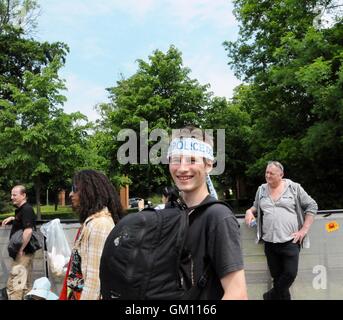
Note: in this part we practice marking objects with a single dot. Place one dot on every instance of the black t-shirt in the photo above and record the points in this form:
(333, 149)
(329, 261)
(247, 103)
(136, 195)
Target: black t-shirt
(214, 240)
(24, 218)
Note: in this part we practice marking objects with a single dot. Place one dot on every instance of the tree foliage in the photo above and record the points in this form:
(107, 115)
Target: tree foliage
(294, 71)
(160, 92)
(39, 143)
(18, 55)
(233, 117)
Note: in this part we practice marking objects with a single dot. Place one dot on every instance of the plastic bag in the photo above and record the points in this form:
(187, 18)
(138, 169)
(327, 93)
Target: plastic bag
(57, 246)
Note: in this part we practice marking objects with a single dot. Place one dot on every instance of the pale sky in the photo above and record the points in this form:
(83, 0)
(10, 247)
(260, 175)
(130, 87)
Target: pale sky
(106, 37)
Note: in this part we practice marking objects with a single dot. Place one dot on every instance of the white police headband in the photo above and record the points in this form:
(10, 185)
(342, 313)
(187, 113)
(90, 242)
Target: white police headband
(190, 147)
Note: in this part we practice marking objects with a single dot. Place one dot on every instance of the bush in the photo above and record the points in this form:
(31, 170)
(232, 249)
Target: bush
(47, 212)
(5, 202)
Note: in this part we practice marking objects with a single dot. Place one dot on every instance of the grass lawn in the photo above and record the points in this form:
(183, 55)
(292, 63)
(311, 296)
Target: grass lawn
(48, 212)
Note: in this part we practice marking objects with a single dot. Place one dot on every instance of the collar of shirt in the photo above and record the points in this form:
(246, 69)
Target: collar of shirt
(103, 213)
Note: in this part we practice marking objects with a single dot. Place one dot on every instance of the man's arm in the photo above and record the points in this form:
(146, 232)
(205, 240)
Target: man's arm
(299, 236)
(27, 233)
(250, 215)
(251, 212)
(234, 286)
(7, 220)
(310, 208)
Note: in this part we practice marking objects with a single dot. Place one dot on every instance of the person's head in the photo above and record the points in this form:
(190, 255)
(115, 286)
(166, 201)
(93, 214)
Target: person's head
(165, 198)
(18, 195)
(91, 192)
(41, 290)
(190, 159)
(168, 193)
(274, 173)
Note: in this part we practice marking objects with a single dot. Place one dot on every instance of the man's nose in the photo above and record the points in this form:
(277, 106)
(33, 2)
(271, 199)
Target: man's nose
(184, 164)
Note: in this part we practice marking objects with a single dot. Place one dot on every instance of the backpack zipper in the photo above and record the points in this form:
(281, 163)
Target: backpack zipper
(192, 271)
(190, 256)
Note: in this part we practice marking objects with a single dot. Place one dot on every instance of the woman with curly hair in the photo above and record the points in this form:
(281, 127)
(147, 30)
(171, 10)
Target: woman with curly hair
(97, 203)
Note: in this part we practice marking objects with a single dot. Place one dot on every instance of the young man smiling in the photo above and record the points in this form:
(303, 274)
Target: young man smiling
(213, 237)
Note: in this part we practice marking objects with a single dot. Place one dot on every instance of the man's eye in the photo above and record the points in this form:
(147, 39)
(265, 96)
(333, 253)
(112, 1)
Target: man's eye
(175, 160)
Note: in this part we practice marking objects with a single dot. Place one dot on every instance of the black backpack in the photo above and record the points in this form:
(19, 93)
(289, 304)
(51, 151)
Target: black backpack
(144, 257)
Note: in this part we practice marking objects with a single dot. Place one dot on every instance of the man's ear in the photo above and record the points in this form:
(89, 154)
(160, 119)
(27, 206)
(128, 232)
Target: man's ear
(208, 166)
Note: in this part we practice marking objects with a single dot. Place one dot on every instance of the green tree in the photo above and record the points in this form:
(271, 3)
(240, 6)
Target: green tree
(263, 24)
(68, 150)
(294, 73)
(160, 92)
(234, 118)
(39, 142)
(18, 55)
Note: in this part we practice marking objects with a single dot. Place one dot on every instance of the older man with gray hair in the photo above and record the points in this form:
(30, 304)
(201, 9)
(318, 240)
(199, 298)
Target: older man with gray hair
(285, 213)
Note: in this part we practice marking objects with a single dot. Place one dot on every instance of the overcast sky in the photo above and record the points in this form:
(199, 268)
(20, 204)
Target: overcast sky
(106, 37)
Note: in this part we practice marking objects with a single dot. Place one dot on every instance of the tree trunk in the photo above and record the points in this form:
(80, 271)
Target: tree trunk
(38, 189)
(238, 189)
(56, 199)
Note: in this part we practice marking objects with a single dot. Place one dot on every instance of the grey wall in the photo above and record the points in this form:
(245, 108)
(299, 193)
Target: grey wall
(320, 270)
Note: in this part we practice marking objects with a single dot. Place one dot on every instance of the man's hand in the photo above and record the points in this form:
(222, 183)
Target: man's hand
(299, 236)
(7, 220)
(27, 234)
(249, 216)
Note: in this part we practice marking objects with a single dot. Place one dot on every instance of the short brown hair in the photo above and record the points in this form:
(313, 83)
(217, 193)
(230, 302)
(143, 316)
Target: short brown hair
(191, 131)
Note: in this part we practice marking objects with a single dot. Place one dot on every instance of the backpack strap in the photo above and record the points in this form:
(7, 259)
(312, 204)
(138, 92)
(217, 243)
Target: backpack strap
(64, 292)
(210, 203)
(196, 211)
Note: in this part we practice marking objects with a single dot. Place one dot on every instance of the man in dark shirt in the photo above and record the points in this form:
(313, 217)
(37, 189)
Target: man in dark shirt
(20, 277)
(213, 237)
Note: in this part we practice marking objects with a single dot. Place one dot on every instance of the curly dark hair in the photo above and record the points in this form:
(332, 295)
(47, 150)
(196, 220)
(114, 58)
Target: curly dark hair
(96, 192)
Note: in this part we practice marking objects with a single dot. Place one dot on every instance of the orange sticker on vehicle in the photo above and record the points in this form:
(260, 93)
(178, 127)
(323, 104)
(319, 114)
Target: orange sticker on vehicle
(332, 226)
